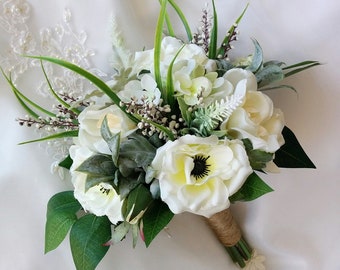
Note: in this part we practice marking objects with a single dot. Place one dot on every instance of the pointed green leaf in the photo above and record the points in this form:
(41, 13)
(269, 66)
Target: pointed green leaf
(155, 219)
(253, 188)
(291, 154)
(88, 238)
(61, 215)
(66, 163)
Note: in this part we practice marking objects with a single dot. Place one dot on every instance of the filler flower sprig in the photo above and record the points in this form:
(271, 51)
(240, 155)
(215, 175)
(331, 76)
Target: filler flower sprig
(180, 128)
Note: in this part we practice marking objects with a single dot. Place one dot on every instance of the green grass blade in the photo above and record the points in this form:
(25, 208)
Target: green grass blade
(301, 64)
(182, 18)
(158, 44)
(60, 100)
(213, 35)
(226, 40)
(170, 98)
(297, 70)
(65, 134)
(22, 99)
(92, 78)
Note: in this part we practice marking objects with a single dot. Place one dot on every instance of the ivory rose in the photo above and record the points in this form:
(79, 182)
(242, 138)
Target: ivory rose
(90, 121)
(256, 119)
(198, 174)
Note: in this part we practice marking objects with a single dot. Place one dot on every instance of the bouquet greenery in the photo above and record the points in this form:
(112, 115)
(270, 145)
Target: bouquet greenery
(179, 128)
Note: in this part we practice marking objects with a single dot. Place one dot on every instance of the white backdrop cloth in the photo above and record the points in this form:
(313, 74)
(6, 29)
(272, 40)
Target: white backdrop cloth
(295, 227)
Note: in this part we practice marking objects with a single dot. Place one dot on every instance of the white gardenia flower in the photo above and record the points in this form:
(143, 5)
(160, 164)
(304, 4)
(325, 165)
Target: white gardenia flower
(100, 199)
(90, 121)
(256, 119)
(198, 174)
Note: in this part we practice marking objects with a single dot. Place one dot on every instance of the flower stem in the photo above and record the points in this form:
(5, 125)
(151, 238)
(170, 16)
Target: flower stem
(240, 253)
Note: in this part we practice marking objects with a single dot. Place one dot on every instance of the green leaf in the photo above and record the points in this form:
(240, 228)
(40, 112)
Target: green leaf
(253, 188)
(138, 149)
(291, 154)
(298, 67)
(213, 35)
(113, 141)
(157, 47)
(99, 168)
(155, 219)
(186, 114)
(182, 18)
(98, 165)
(22, 99)
(88, 238)
(127, 184)
(61, 215)
(170, 97)
(66, 163)
(92, 78)
(278, 87)
(60, 100)
(269, 74)
(65, 134)
(257, 60)
(136, 203)
(226, 40)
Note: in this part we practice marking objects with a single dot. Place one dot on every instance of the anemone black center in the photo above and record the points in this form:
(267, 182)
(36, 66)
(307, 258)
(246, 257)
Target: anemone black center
(201, 168)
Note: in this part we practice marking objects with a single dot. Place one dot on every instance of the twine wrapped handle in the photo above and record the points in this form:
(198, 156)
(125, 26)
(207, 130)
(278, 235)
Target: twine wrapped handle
(229, 234)
(225, 228)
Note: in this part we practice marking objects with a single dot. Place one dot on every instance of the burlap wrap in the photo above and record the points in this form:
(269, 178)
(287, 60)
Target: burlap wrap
(225, 228)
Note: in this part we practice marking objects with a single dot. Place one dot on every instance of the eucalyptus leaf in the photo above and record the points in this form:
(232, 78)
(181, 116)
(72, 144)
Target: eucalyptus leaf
(253, 188)
(138, 149)
(269, 74)
(88, 238)
(127, 184)
(155, 219)
(94, 180)
(257, 59)
(61, 215)
(97, 165)
(291, 154)
(113, 141)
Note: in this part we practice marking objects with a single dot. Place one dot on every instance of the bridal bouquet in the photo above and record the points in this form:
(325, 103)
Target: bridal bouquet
(179, 128)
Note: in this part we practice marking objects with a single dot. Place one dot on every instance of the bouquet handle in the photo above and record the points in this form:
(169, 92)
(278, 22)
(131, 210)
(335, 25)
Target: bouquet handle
(229, 234)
